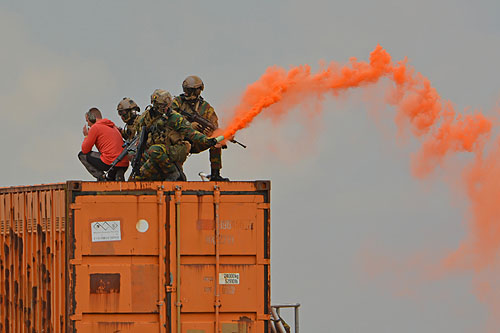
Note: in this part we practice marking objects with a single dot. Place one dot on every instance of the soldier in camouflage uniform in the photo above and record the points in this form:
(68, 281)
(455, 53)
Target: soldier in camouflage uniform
(167, 144)
(128, 110)
(191, 102)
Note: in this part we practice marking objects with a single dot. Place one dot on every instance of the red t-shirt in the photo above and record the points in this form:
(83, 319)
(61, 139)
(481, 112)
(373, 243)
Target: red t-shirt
(108, 140)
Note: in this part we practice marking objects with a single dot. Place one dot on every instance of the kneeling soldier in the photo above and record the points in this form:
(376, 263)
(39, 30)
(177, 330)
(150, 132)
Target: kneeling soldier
(169, 140)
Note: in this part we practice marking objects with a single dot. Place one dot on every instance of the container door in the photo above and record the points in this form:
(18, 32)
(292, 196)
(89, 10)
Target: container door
(115, 264)
(223, 262)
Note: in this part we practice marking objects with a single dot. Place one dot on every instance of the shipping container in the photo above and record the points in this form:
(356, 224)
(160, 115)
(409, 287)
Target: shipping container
(191, 257)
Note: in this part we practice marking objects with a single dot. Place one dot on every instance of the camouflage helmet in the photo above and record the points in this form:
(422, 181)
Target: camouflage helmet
(161, 97)
(192, 87)
(127, 104)
(193, 82)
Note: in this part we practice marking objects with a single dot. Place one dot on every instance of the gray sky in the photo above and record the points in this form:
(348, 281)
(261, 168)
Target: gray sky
(340, 201)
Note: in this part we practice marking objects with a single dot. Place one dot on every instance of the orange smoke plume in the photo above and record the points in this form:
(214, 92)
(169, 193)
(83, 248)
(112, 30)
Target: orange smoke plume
(417, 102)
(434, 122)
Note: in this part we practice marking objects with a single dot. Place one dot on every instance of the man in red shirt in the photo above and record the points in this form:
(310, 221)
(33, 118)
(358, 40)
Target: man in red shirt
(108, 140)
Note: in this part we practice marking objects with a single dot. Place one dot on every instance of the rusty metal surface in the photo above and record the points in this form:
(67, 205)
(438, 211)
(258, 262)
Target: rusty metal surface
(32, 258)
(225, 231)
(104, 283)
(60, 273)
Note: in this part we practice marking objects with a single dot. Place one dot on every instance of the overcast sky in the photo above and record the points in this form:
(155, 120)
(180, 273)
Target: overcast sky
(343, 201)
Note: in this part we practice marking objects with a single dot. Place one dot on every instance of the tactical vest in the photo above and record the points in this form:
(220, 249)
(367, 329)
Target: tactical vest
(160, 133)
(200, 106)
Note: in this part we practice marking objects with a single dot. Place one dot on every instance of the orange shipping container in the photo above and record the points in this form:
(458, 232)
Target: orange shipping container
(191, 257)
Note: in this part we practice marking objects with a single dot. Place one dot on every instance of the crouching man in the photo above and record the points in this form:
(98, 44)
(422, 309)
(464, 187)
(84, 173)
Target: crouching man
(108, 140)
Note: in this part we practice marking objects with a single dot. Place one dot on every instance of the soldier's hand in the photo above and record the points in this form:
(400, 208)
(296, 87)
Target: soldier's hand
(212, 142)
(196, 126)
(216, 141)
(85, 130)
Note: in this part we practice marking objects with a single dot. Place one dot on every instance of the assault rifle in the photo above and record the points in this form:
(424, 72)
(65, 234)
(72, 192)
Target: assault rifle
(141, 146)
(205, 124)
(128, 146)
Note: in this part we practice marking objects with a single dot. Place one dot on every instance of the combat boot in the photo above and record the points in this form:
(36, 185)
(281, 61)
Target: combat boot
(216, 177)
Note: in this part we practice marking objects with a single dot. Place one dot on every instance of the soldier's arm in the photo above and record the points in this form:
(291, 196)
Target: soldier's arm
(176, 104)
(178, 123)
(211, 116)
(136, 126)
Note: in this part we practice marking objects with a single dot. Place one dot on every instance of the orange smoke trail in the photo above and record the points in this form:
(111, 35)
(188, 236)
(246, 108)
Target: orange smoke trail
(441, 131)
(416, 101)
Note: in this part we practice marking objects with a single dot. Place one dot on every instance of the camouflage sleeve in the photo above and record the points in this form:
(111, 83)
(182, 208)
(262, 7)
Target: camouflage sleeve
(143, 120)
(178, 123)
(136, 128)
(176, 104)
(212, 117)
(209, 114)
(139, 121)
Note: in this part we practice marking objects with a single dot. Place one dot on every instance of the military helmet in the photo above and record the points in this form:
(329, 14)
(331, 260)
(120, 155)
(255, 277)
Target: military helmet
(192, 87)
(193, 82)
(127, 104)
(162, 97)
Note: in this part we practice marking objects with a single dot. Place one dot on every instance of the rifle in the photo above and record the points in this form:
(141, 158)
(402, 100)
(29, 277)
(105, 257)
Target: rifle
(128, 146)
(195, 117)
(141, 145)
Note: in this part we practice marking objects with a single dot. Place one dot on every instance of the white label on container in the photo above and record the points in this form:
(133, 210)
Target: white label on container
(229, 278)
(105, 231)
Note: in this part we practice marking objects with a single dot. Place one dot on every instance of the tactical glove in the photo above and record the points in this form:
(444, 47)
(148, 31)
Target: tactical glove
(196, 126)
(212, 142)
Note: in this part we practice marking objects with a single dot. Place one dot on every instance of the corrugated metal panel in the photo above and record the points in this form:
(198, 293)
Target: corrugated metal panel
(32, 259)
(116, 265)
(236, 257)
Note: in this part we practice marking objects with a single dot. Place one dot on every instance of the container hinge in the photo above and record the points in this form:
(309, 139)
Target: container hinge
(263, 205)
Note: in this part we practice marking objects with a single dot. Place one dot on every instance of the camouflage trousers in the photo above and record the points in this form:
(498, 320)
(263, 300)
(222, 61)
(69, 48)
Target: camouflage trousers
(164, 162)
(215, 156)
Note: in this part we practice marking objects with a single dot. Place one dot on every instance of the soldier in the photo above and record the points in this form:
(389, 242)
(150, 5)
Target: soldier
(191, 102)
(167, 145)
(128, 110)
